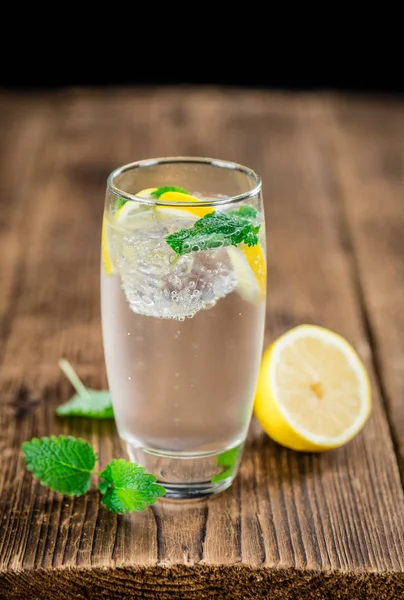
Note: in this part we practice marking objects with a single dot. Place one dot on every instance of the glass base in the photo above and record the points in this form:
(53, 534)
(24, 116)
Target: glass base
(189, 476)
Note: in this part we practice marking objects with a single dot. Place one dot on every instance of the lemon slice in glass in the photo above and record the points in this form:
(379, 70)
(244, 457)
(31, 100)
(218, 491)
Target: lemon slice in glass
(250, 268)
(105, 253)
(130, 213)
(198, 211)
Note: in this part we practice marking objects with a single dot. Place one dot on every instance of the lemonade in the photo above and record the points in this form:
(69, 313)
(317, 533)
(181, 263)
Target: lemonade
(183, 314)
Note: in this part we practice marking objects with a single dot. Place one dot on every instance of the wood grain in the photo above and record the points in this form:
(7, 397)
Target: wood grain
(292, 525)
(371, 190)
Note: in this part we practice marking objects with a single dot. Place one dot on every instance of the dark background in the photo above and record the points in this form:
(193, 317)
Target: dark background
(80, 74)
(121, 50)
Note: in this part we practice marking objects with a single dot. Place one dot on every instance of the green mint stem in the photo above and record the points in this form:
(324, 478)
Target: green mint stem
(174, 262)
(74, 379)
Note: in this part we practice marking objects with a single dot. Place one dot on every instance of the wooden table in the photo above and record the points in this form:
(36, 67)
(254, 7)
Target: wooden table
(293, 525)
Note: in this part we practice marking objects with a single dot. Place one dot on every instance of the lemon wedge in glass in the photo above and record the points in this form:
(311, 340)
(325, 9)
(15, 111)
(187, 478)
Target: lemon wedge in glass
(125, 212)
(250, 267)
(105, 253)
(198, 211)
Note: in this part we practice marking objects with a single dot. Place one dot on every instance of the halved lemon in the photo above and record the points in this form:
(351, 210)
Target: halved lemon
(313, 390)
(250, 268)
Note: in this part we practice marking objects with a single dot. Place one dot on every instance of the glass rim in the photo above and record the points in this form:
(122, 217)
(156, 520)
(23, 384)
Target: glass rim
(214, 162)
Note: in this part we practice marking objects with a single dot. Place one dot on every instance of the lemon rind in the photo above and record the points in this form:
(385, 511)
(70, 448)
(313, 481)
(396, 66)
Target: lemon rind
(300, 436)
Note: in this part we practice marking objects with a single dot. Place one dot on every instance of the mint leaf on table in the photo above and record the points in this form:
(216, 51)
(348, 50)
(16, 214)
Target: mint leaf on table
(127, 487)
(62, 463)
(167, 188)
(65, 464)
(216, 230)
(95, 404)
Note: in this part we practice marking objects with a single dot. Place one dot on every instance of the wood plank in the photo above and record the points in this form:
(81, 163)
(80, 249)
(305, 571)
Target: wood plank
(368, 143)
(19, 143)
(293, 525)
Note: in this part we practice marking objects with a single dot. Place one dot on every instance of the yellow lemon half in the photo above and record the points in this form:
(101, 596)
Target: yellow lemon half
(313, 391)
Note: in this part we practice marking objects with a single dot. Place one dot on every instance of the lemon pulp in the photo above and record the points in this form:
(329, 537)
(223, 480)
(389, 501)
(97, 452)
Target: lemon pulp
(313, 391)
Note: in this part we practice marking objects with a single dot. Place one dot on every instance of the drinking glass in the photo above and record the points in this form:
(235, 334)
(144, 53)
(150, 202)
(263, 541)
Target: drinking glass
(183, 289)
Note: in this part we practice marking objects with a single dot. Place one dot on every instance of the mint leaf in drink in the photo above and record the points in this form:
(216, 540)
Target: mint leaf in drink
(62, 463)
(94, 404)
(126, 487)
(167, 188)
(246, 212)
(216, 230)
(120, 202)
(228, 460)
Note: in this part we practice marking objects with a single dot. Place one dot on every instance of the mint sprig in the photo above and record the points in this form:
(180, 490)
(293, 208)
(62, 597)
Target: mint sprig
(65, 464)
(62, 463)
(127, 487)
(167, 188)
(95, 404)
(216, 230)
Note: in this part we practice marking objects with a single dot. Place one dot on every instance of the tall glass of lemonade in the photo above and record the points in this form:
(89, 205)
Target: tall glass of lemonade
(183, 287)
